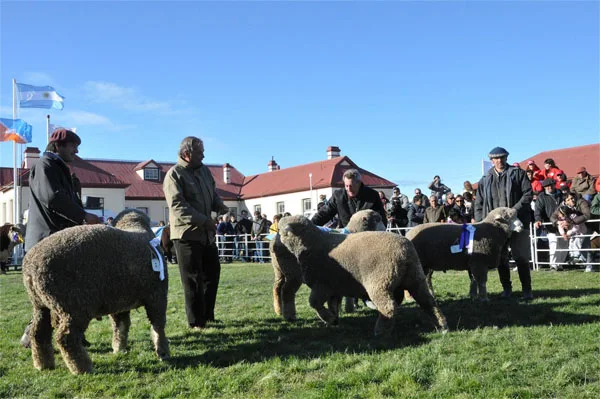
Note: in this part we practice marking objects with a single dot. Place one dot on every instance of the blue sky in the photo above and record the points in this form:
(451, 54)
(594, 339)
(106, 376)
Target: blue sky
(407, 90)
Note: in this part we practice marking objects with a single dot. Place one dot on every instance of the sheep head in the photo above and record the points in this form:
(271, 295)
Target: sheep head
(506, 219)
(297, 233)
(365, 220)
(133, 220)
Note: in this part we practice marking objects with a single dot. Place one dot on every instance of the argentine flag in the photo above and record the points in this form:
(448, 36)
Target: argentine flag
(15, 130)
(39, 97)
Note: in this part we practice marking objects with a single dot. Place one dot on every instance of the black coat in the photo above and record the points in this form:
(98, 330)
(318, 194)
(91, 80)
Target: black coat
(518, 193)
(340, 204)
(53, 204)
(545, 206)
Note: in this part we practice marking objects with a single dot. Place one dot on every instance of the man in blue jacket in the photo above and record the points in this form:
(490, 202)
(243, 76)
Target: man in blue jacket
(508, 186)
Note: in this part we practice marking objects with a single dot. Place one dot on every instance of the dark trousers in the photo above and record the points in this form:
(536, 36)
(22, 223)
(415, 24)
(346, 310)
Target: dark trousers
(200, 270)
(519, 244)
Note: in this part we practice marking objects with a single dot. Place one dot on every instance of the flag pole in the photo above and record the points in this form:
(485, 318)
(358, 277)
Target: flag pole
(47, 129)
(15, 183)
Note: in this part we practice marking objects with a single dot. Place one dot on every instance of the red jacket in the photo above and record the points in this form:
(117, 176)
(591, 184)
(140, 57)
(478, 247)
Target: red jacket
(536, 186)
(552, 173)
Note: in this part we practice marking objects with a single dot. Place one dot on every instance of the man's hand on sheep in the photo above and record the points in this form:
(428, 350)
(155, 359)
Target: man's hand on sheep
(90, 218)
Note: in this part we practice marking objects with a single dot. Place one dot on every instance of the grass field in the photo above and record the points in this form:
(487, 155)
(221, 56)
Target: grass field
(549, 348)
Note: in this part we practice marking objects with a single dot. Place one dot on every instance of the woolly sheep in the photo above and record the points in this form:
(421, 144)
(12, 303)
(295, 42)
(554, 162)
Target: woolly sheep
(288, 274)
(84, 272)
(433, 241)
(373, 264)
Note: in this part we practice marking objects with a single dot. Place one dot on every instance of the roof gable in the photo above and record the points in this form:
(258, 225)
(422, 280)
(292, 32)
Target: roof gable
(570, 159)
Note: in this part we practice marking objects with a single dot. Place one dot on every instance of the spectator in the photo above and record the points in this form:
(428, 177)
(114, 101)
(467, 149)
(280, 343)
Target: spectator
(191, 193)
(536, 185)
(243, 230)
(435, 213)
(416, 212)
(424, 199)
(235, 244)
(384, 200)
(583, 184)
(538, 175)
(507, 186)
(259, 229)
(560, 179)
(322, 201)
(468, 202)
(438, 189)
(459, 205)
(109, 221)
(346, 202)
(226, 231)
(54, 203)
(274, 228)
(546, 204)
(468, 188)
(550, 170)
(398, 215)
(577, 212)
(449, 203)
(402, 199)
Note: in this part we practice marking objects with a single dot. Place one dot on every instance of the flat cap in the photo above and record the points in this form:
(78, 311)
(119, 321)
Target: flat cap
(548, 182)
(62, 135)
(498, 152)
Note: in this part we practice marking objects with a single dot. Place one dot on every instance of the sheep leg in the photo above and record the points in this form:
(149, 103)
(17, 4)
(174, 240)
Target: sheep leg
(157, 314)
(333, 304)
(291, 285)
(41, 339)
(349, 304)
(277, 287)
(69, 335)
(478, 274)
(386, 306)
(427, 302)
(428, 276)
(120, 325)
(317, 299)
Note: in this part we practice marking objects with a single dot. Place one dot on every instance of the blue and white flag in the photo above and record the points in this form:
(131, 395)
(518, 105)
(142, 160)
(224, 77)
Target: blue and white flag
(16, 130)
(39, 97)
(485, 166)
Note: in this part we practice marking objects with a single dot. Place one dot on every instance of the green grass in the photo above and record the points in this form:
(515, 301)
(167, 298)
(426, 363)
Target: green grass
(545, 349)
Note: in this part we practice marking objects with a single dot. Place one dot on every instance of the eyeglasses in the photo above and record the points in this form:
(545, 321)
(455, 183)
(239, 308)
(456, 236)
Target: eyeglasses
(458, 200)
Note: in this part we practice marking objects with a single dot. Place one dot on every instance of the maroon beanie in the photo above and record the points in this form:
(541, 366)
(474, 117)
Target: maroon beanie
(62, 135)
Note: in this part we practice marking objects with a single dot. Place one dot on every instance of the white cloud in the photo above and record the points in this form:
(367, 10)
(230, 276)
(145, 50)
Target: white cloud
(124, 97)
(84, 118)
(37, 79)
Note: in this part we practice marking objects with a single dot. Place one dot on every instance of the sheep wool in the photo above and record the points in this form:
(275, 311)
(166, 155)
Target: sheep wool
(89, 271)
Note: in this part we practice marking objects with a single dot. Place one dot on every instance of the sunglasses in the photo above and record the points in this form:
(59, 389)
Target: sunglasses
(459, 200)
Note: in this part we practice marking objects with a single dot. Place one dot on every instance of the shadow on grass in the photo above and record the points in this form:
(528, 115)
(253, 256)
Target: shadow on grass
(274, 338)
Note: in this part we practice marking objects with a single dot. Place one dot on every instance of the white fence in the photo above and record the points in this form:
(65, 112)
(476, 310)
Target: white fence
(243, 248)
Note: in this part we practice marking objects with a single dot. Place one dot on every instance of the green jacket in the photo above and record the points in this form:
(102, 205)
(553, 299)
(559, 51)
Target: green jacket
(191, 195)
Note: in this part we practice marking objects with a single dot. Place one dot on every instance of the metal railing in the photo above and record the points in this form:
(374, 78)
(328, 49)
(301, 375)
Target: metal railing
(243, 248)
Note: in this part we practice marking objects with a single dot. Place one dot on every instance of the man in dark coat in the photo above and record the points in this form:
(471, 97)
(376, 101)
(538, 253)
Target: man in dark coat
(354, 197)
(546, 204)
(54, 203)
(507, 186)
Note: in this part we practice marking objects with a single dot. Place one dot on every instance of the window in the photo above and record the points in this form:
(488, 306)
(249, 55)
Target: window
(280, 207)
(257, 209)
(306, 205)
(143, 209)
(166, 216)
(151, 174)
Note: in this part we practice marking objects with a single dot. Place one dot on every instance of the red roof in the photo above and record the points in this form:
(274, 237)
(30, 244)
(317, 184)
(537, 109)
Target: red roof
(325, 174)
(570, 159)
(98, 173)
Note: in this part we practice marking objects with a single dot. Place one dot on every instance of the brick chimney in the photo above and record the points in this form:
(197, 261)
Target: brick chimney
(31, 156)
(227, 173)
(333, 152)
(273, 165)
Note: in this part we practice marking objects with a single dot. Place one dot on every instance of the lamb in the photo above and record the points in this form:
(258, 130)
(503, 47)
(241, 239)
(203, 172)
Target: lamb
(433, 241)
(288, 274)
(373, 264)
(85, 272)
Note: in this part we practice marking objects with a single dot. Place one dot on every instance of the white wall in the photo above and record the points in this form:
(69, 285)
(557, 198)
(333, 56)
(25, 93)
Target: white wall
(114, 198)
(292, 202)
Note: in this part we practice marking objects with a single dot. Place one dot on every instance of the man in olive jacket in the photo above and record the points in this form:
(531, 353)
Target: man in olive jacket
(190, 191)
(508, 186)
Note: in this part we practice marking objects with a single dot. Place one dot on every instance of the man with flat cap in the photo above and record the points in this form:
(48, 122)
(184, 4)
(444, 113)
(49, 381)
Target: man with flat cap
(546, 204)
(54, 204)
(507, 186)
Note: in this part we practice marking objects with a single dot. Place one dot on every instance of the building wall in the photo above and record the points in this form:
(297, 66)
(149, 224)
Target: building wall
(292, 202)
(114, 198)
